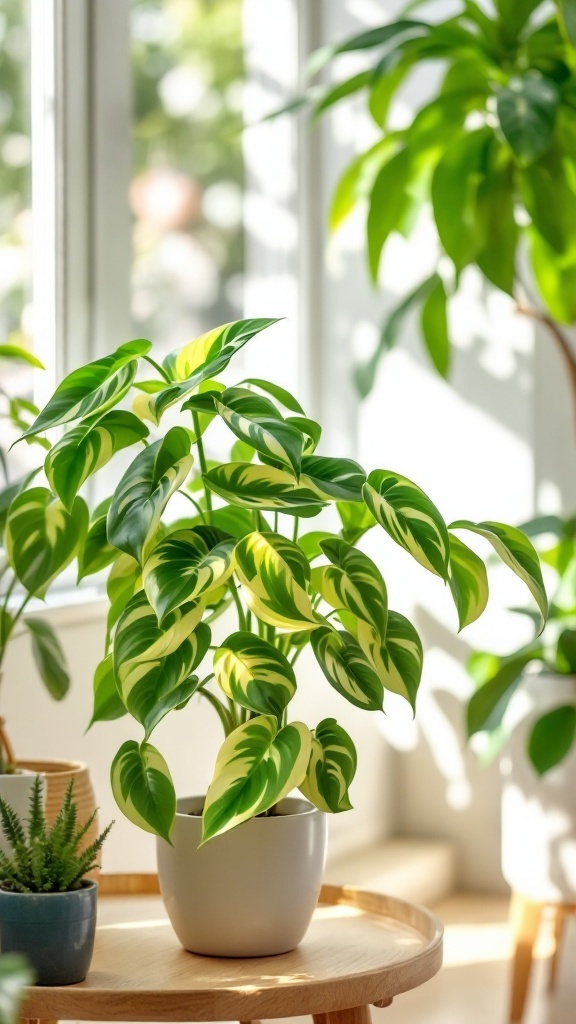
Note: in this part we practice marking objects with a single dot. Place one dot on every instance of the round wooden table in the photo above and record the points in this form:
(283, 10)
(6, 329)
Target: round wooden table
(361, 949)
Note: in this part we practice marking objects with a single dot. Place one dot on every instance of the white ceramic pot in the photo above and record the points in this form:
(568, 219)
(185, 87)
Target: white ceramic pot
(16, 790)
(249, 892)
(539, 813)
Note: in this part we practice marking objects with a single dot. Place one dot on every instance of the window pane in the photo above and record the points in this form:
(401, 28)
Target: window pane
(186, 192)
(15, 226)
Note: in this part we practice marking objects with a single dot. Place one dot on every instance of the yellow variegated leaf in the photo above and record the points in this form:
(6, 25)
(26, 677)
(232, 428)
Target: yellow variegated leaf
(353, 582)
(182, 568)
(274, 574)
(347, 668)
(254, 674)
(256, 420)
(410, 518)
(264, 487)
(143, 788)
(468, 582)
(331, 769)
(256, 767)
(42, 537)
(398, 660)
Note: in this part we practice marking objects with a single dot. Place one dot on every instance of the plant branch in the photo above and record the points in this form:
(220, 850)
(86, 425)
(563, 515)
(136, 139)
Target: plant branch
(203, 466)
(161, 370)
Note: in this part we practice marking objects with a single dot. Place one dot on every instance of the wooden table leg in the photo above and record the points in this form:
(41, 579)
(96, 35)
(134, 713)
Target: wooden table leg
(358, 1015)
(559, 922)
(525, 921)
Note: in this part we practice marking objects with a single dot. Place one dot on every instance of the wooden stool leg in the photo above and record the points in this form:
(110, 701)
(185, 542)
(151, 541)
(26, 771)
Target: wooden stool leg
(559, 922)
(359, 1015)
(525, 921)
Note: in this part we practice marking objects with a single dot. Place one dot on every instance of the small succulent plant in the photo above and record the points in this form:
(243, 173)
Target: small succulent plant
(47, 859)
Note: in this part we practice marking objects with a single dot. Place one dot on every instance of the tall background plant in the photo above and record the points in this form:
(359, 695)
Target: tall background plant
(242, 548)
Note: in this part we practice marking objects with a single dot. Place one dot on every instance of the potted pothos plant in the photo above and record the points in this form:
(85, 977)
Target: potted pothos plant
(38, 540)
(240, 866)
(526, 703)
(47, 902)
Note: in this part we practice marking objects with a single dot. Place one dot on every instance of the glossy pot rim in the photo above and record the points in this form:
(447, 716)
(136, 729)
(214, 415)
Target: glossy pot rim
(307, 810)
(87, 886)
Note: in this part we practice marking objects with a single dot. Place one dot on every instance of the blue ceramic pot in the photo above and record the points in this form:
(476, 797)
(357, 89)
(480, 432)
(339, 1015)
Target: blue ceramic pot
(55, 931)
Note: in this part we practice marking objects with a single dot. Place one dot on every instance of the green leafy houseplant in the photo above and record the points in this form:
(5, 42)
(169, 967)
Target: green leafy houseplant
(242, 549)
(32, 557)
(491, 153)
(553, 652)
(47, 859)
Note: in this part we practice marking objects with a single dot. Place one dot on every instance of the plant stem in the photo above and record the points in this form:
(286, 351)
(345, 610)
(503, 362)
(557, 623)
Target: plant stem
(561, 342)
(275, 522)
(238, 603)
(296, 527)
(220, 710)
(195, 503)
(161, 370)
(202, 461)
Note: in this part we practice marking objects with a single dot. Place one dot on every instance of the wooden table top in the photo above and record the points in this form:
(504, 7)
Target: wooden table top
(361, 948)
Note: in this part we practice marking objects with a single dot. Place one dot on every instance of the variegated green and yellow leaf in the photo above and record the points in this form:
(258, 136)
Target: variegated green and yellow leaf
(517, 552)
(257, 766)
(331, 768)
(124, 579)
(410, 518)
(144, 490)
(107, 702)
(274, 574)
(332, 479)
(96, 553)
(256, 421)
(347, 669)
(311, 430)
(468, 582)
(182, 568)
(205, 357)
(153, 665)
(254, 674)
(143, 788)
(42, 537)
(263, 487)
(399, 659)
(94, 388)
(353, 582)
(279, 393)
(87, 447)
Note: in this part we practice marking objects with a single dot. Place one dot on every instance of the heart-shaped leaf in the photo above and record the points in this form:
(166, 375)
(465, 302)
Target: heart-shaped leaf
(353, 582)
(552, 738)
(256, 421)
(347, 669)
(42, 537)
(107, 702)
(263, 487)
(93, 388)
(256, 767)
(143, 492)
(87, 447)
(254, 674)
(333, 479)
(399, 659)
(468, 582)
(331, 769)
(410, 518)
(49, 657)
(143, 788)
(96, 553)
(274, 573)
(182, 568)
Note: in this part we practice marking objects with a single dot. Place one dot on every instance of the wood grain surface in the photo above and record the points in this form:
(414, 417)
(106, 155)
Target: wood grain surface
(362, 948)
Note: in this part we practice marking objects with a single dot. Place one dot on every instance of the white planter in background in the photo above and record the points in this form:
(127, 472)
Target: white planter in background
(539, 812)
(249, 892)
(16, 790)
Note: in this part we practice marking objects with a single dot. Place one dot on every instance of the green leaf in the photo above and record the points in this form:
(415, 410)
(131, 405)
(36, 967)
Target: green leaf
(333, 479)
(96, 553)
(468, 582)
(526, 110)
(153, 664)
(399, 659)
(263, 487)
(256, 767)
(310, 542)
(347, 669)
(11, 491)
(107, 702)
(143, 788)
(567, 10)
(311, 430)
(20, 355)
(87, 447)
(49, 657)
(389, 202)
(144, 490)
(358, 180)
(410, 518)
(123, 580)
(331, 769)
(515, 13)
(280, 394)
(365, 373)
(255, 420)
(408, 28)
(435, 328)
(356, 520)
(342, 90)
(204, 358)
(496, 201)
(516, 552)
(94, 388)
(556, 278)
(487, 706)
(274, 574)
(454, 195)
(566, 652)
(42, 537)
(182, 567)
(352, 582)
(550, 201)
(254, 674)
(552, 738)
